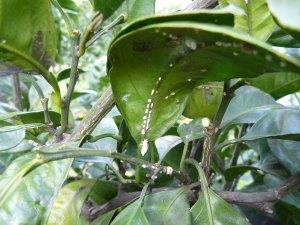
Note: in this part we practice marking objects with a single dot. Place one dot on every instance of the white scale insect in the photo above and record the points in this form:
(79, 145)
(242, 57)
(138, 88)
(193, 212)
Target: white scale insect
(147, 117)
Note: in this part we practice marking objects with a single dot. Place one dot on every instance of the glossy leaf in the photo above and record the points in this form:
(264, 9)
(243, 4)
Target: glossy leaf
(247, 106)
(132, 215)
(38, 43)
(165, 144)
(267, 161)
(216, 16)
(37, 190)
(222, 212)
(21, 127)
(107, 8)
(191, 131)
(287, 153)
(31, 117)
(167, 207)
(286, 14)
(67, 206)
(277, 84)
(282, 39)
(68, 4)
(234, 171)
(256, 19)
(104, 219)
(132, 9)
(223, 56)
(11, 139)
(204, 101)
(65, 74)
(279, 123)
(175, 66)
(13, 176)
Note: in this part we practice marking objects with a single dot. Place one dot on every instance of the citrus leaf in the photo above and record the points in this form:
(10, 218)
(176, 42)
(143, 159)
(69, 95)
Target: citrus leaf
(36, 46)
(286, 14)
(69, 201)
(11, 139)
(278, 123)
(247, 106)
(164, 62)
(287, 153)
(256, 19)
(277, 84)
(132, 215)
(168, 207)
(222, 212)
(191, 131)
(132, 9)
(204, 101)
(21, 127)
(104, 219)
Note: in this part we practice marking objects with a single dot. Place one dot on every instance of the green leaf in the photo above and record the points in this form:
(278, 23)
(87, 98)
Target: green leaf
(286, 14)
(165, 144)
(191, 131)
(36, 191)
(287, 153)
(132, 215)
(205, 101)
(69, 201)
(222, 212)
(31, 117)
(21, 127)
(215, 16)
(256, 19)
(247, 106)
(13, 175)
(210, 208)
(282, 39)
(65, 74)
(278, 123)
(132, 9)
(11, 139)
(38, 37)
(164, 62)
(104, 219)
(36, 46)
(69, 4)
(107, 8)
(267, 160)
(234, 171)
(168, 207)
(277, 84)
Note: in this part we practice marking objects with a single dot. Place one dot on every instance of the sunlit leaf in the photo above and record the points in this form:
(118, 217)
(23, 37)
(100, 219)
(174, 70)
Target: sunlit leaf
(286, 14)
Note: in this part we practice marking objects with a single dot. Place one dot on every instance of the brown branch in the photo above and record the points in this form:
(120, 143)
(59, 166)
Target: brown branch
(94, 116)
(260, 200)
(17, 94)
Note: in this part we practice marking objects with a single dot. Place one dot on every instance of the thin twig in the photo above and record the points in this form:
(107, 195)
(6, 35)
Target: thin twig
(73, 80)
(17, 94)
(100, 32)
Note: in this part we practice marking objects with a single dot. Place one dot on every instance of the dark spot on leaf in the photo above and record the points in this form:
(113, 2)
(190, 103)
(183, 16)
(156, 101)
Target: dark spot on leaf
(142, 46)
(247, 47)
(38, 51)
